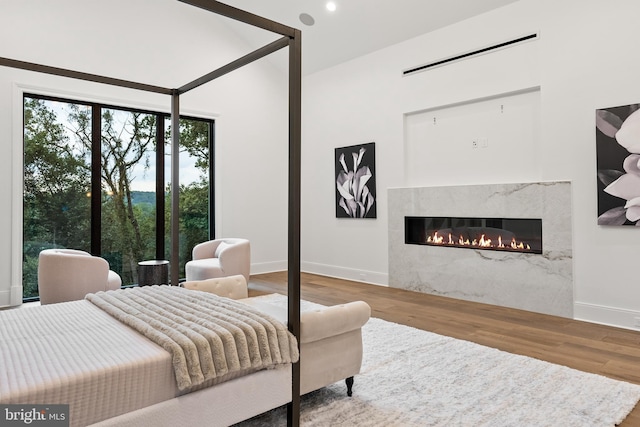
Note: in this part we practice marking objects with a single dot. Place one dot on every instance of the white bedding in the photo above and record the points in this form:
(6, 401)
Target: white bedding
(76, 353)
(208, 336)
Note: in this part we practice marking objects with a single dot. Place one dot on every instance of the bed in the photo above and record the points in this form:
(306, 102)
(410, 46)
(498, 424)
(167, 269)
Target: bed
(77, 353)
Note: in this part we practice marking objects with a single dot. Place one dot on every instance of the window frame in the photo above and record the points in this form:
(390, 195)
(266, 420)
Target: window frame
(97, 108)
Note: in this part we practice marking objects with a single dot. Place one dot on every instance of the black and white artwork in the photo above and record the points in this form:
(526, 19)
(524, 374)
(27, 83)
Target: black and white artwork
(618, 163)
(355, 181)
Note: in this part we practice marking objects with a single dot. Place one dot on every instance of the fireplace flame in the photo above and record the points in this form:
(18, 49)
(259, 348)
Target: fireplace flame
(482, 242)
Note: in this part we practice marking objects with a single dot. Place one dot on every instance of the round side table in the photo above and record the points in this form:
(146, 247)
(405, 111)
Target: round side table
(153, 272)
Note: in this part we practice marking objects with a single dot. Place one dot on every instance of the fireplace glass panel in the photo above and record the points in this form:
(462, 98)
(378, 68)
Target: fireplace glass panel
(500, 234)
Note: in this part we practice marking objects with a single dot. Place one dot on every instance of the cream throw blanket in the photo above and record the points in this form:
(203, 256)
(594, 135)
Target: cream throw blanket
(207, 336)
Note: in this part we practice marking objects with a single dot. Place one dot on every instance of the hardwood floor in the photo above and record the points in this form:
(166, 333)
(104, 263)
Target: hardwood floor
(604, 350)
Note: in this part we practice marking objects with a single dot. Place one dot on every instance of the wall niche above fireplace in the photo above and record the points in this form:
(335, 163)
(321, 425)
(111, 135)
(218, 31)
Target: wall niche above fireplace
(497, 234)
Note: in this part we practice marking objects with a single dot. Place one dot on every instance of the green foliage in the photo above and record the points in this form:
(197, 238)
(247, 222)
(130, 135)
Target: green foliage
(194, 219)
(30, 276)
(143, 197)
(56, 179)
(194, 139)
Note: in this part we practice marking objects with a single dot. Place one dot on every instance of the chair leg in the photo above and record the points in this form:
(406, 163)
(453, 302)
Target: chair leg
(349, 382)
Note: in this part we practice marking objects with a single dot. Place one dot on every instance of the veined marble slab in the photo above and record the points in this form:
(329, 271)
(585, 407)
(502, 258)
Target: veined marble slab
(536, 282)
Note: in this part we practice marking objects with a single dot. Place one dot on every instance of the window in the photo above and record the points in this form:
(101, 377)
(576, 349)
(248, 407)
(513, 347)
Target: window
(95, 179)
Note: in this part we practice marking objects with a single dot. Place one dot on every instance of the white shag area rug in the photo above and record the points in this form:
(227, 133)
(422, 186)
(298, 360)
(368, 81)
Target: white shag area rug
(410, 377)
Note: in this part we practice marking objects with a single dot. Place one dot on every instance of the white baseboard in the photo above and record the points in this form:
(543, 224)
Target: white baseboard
(610, 316)
(371, 277)
(268, 267)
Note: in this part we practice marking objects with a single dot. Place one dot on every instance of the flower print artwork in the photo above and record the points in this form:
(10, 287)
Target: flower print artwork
(355, 181)
(618, 162)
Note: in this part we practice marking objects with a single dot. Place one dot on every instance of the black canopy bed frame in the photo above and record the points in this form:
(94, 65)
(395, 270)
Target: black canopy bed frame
(291, 38)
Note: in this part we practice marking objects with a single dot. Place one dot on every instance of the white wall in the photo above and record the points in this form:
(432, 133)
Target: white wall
(134, 41)
(583, 60)
(481, 142)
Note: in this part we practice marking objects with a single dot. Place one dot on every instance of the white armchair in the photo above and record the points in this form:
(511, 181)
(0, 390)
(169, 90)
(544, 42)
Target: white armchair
(219, 258)
(69, 275)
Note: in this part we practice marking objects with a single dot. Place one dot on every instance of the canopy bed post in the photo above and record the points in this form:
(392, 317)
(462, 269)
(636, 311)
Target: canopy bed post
(175, 188)
(292, 38)
(295, 137)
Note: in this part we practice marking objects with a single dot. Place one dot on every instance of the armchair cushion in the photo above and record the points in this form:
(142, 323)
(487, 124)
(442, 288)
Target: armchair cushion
(114, 281)
(221, 247)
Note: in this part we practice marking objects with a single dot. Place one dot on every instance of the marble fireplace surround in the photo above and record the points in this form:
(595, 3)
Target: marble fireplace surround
(541, 283)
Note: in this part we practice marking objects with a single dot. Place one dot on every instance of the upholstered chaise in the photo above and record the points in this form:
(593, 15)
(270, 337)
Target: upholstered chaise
(330, 337)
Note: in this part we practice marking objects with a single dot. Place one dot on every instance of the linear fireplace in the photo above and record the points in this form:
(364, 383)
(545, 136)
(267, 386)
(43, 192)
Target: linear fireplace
(498, 234)
(541, 283)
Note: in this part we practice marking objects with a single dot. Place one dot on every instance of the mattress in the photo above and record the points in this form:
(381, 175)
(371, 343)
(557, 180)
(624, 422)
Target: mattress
(74, 353)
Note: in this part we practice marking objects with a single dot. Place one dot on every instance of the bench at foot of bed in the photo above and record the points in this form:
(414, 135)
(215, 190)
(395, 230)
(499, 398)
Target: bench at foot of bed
(331, 337)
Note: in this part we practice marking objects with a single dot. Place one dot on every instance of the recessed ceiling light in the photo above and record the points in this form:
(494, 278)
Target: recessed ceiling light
(307, 19)
(331, 6)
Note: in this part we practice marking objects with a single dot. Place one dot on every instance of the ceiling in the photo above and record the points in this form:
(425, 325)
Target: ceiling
(358, 27)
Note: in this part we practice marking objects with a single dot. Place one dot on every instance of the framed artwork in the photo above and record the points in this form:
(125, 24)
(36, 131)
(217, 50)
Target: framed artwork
(355, 181)
(618, 164)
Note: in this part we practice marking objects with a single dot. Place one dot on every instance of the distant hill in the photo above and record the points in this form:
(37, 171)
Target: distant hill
(143, 197)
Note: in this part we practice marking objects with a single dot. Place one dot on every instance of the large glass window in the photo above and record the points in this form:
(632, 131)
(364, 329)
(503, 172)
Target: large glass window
(65, 159)
(195, 175)
(57, 186)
